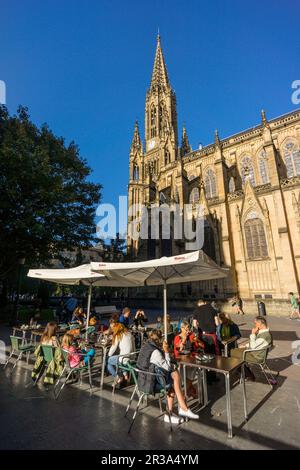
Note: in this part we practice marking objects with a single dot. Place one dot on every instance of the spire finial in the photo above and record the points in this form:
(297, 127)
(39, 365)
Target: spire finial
(263, 117)
(217, 138)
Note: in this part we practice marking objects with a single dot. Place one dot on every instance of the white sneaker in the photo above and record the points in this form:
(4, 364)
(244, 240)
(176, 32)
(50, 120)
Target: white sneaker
(187, 414)
(174, 419)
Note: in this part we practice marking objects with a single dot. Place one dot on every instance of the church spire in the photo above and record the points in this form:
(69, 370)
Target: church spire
(136, 141)
(185, 145)
(159, 75)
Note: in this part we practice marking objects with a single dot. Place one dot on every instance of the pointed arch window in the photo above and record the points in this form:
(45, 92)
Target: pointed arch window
(210, 184)
(167, 157)
(153, 122)
(255, 236)
(263, 167)
(161, 116)
(291, 155)
(194, 196)
(231, 185)
(136, 173)
(247, 168)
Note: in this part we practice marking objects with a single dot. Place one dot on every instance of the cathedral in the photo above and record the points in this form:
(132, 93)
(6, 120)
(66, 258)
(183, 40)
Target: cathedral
(248, 185)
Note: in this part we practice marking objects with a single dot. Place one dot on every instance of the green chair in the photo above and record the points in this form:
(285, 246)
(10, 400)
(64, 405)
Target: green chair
(144, 395)
(18, 349)
(47, 352)
(128, 367)
(68, 371)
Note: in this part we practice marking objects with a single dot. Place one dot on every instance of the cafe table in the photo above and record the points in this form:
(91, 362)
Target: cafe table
(104, 346)
(222, 365)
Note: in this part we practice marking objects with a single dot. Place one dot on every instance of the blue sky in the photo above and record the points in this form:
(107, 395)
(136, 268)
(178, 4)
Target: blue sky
(84, 67)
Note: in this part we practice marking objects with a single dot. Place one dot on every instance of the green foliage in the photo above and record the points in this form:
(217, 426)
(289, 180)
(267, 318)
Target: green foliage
(47, 205)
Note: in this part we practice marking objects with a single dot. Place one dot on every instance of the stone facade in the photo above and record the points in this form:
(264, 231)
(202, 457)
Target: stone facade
(248, 184)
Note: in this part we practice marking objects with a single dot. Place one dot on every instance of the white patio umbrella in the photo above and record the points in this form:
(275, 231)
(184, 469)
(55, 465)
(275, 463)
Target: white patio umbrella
(81, 275)
(188, 267)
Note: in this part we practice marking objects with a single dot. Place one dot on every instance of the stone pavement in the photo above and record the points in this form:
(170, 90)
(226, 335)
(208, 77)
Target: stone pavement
(32, 419)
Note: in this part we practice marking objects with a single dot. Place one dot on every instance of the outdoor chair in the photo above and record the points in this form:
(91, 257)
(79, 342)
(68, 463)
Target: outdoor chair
(47, 352)
(128, 367)
(162, 393)
(261, 362)
(18, 349)
(68, 371)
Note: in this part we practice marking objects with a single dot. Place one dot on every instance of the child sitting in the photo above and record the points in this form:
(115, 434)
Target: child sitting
(76, 356)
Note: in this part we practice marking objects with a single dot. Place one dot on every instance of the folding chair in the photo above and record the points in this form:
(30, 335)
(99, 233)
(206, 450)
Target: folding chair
(68, 371)
(142, 394)
(18, 349)
(261, 362)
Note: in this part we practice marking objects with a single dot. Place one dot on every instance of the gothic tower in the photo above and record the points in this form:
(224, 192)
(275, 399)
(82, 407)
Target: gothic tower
(160, 116)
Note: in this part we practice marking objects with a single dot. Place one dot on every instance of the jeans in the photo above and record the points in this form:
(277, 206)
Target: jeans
(112, 365)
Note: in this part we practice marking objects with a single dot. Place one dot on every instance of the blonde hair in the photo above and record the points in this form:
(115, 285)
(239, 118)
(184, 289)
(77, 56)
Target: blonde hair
(49, 332)
(118, 330)
(67, 340)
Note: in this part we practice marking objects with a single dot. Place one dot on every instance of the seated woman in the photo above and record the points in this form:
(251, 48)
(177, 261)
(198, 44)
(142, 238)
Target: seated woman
(55, 367)
(123, 341)
(154, 357)
(76, 356)
(227, 329)
(140, 318)
(188, 342)
(78, 316)
(49, 337)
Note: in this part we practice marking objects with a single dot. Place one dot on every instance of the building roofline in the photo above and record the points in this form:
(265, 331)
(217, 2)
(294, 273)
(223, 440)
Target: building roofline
(245, 134)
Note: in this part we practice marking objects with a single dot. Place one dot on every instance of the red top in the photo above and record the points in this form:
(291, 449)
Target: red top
(196, 344)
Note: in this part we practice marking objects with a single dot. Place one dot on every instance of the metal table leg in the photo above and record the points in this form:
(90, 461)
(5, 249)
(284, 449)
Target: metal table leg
(244, 392)
(184, 380)
(103, 367)
(204, 381)
(228, 405)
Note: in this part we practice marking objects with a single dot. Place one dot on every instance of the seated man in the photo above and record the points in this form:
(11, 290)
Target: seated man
(260, 338)
(124, 318)
(154, 357)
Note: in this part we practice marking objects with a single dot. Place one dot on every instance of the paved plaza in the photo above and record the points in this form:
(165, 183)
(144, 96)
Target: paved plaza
(32, 419)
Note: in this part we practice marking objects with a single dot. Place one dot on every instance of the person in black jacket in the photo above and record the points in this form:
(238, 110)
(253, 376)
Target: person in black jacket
(154, 357)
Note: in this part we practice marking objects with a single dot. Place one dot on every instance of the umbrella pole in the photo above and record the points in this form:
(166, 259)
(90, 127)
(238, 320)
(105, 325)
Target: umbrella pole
(88, 310)
(165, 311)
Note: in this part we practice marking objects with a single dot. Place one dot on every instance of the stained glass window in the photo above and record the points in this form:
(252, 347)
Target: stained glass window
(263, 167)
(255, 239)
(247, 168)
(210, 184)
(291, 155)
(194, 196)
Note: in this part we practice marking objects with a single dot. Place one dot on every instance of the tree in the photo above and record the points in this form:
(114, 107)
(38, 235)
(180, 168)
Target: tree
(47, 205)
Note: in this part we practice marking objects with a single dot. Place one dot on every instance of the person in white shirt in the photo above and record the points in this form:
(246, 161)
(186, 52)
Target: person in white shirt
(123, 342)
(260, 339)
(154, 357)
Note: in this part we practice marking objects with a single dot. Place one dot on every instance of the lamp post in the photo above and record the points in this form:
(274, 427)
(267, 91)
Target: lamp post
(20, 263)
